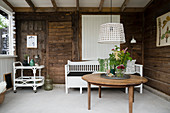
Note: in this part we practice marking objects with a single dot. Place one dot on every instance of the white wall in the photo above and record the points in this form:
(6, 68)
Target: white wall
(91, 49)
(6, 65)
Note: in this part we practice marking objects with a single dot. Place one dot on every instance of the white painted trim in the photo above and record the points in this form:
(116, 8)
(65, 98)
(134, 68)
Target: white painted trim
(10, 29)
(8, 56)
(5, 10)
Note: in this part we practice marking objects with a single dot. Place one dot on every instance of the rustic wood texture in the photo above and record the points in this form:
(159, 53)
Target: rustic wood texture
(76, 36)
(25, 28)
(131, 97)
(156, 59)
(60, 49)
(49, 47)
(9, 4)
(54, 4)
(124, 5)
(30, 3)
(96, 79)
(132, 23)
(99, 91)
(77, 5)
(101, 5)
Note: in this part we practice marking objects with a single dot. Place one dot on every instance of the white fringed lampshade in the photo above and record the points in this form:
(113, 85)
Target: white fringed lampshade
(112, 33)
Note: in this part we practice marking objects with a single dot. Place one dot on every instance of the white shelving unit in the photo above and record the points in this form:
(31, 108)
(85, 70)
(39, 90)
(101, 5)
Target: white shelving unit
(27, 81)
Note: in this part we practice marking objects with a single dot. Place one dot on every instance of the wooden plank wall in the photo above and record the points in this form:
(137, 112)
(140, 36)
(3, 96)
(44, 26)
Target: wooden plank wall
(31, 27)
(156, 59)
(133, 23)
(60, 38)
(41, 24)
(55, 50)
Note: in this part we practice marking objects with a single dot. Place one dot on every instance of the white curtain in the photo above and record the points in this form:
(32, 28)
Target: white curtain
(91, 49)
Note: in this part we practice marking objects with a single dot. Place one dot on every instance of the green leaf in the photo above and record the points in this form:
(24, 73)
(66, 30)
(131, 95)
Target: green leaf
(163, 36)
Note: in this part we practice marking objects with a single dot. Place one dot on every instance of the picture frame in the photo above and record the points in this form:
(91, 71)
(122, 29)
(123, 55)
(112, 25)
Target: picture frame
(31, 41)
(163, 30)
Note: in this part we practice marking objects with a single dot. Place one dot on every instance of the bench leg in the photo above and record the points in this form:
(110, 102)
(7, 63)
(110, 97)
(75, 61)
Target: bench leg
(126, 90)
(81, 90)
(141, 88)
(66, 90)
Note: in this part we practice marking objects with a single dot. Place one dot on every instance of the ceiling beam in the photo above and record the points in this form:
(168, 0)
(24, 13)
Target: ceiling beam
(149, 3)
(77, 5)
(30, 3)
(54, 4)
(9, 4)
(124, 5)
(81, 9)
(101, 5)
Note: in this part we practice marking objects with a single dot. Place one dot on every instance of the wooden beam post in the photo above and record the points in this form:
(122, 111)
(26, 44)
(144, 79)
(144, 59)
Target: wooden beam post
(77, 5)
(149, 3)
(54, 4)
(31, 5)
(101, 5)
(124, 5)
(9, 4)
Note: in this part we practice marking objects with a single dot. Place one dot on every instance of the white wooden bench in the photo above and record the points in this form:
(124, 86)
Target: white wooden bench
(75, 70)
(138, 71)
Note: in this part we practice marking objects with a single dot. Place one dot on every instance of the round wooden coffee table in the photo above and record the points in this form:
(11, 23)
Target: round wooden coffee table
(96, 79)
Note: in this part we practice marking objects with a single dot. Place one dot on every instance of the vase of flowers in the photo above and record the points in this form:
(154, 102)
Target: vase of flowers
(120, 70)
(118, 60)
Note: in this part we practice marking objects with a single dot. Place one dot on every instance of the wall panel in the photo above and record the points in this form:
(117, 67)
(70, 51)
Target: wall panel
(156, 59)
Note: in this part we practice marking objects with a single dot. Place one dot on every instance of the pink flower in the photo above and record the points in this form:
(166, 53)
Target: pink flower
(125, 50)
(121, 67)
(113, 49)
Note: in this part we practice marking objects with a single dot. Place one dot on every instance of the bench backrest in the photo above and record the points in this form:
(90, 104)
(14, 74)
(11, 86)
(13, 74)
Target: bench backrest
(83, 66)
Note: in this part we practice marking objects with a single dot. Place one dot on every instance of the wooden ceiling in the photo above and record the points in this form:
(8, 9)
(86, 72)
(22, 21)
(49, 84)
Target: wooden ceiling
(77, 5)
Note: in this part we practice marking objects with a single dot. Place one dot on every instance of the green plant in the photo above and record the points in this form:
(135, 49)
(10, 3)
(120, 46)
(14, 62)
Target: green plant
(103, 64)
(119, 57)
(3, 22)
(25, 56)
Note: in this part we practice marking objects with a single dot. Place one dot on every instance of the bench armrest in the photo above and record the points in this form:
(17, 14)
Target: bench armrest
(139, 69)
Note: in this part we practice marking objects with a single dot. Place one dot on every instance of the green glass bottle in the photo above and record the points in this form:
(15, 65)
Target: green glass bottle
(32, 63)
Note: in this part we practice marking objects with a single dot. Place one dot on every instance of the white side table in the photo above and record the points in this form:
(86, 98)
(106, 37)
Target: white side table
(27, 81)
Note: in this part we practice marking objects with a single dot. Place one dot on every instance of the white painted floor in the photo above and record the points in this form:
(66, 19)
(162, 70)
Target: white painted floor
(56, 101)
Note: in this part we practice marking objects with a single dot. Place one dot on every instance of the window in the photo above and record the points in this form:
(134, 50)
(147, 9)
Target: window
(4, 39)
(91, 49)
(7, 42)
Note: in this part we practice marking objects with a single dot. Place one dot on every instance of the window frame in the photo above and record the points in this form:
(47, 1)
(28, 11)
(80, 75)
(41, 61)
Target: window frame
(11, 31)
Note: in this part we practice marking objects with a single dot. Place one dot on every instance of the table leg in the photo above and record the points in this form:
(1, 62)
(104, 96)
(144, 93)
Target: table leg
(131, 90)
(99, 91)
(89, 95)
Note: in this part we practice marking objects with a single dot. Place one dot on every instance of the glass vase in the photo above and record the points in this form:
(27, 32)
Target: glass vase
(120, 72)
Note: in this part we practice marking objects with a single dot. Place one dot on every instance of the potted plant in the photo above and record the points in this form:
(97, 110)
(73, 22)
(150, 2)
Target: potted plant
(25, 62)
(3, 22)
(118, 61)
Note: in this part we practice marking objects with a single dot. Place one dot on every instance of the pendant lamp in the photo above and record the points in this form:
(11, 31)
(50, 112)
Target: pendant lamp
(111, 33)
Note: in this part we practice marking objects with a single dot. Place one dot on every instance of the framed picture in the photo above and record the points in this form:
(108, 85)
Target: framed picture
(31, 41)
(163, 30)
